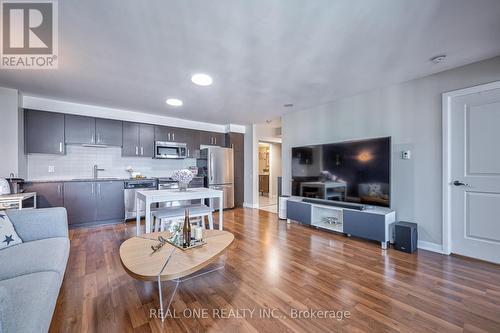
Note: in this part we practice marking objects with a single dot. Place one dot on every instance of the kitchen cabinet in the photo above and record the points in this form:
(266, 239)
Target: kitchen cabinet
(108, 132)
(138, 140)
(172, 134)
(79, 129)
(44, 132)
(236, 141)
(47, 194)
(80, 202)
(90, 201)
(212, 138)
(89, 130)
(109, 201)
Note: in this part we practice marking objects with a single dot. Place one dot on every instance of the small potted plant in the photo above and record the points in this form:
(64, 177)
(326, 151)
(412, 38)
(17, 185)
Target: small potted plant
(183, 177)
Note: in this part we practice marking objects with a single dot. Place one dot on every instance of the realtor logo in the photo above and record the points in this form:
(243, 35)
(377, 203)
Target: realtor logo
(29, 34)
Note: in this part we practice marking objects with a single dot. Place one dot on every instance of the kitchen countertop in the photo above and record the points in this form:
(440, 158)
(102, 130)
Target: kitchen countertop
(103, 179)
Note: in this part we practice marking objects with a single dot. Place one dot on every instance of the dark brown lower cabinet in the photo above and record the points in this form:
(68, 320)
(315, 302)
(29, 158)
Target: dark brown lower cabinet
(88, 202)
(47, 194)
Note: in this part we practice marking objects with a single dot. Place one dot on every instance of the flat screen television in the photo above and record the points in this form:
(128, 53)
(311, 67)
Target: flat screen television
(353, 171)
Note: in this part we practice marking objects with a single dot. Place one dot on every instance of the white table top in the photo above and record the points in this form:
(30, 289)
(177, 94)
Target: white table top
(176, 195)
(17, 196)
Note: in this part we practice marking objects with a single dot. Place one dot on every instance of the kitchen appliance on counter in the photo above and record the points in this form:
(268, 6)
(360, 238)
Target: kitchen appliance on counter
(16, 184)
(131, 187)
(216, 165)
(166, 149)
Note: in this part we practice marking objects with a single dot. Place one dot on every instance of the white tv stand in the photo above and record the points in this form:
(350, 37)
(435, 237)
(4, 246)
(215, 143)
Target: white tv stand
(371, 223)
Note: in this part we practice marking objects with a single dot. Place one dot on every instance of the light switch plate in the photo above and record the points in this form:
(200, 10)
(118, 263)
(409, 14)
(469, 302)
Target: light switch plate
(406, 154)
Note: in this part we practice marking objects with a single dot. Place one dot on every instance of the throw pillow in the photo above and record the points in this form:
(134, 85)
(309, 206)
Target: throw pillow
(8, 235)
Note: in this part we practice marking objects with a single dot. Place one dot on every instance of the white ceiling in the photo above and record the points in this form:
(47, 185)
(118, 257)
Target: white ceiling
(134, 54)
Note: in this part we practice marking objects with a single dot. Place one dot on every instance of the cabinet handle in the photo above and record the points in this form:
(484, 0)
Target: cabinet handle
(59, 189)
(142, 150)
(60, 147)
(92, 188)
(92, 138)
(168, 136)
(98, 138)
(136, 150)
(188, 153)
(173, 136)
(99, 189)
(215, 139)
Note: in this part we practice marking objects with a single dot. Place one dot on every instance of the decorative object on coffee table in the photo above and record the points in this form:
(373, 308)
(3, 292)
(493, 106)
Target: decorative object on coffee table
(183, 177)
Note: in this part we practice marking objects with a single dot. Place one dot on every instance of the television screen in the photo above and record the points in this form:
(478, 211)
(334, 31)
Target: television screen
(354, 171)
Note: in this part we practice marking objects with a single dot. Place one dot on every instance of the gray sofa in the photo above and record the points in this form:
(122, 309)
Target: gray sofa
(31, 273)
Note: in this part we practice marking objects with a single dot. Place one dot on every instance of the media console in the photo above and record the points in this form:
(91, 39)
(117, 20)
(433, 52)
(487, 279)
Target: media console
(362, 221)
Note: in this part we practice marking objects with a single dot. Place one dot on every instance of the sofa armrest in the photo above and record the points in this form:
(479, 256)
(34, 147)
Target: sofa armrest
(34, 224)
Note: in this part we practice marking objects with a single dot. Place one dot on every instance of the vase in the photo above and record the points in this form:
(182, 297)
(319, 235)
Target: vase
(183, 186)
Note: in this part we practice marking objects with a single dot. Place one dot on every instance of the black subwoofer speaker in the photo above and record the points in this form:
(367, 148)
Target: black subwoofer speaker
(405, 236)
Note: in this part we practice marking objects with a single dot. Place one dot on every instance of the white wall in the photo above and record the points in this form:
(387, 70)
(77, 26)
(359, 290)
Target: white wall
(11, 134)
(411, 114)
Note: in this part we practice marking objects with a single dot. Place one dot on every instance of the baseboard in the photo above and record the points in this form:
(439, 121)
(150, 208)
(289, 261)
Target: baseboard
(247, 205)
(433, 247)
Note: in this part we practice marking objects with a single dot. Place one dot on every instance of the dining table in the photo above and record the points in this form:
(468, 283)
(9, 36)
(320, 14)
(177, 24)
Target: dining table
(151, 197)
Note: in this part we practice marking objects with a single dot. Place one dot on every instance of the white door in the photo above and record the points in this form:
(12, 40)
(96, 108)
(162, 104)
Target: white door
(474, 174)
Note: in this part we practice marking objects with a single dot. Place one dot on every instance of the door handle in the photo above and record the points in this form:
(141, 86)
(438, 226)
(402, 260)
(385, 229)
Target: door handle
(458, 183)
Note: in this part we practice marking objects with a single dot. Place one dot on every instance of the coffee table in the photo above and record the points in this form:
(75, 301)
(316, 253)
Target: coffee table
(171, 263)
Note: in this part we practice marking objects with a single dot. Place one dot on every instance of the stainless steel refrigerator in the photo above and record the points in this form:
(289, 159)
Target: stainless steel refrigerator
(216, 164)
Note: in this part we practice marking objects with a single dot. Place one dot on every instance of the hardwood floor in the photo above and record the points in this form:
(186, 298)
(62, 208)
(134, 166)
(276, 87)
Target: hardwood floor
(280, 267)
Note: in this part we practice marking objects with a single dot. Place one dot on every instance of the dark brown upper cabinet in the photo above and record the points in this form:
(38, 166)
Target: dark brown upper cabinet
(93, 131)
(138, 140)
(44, 132)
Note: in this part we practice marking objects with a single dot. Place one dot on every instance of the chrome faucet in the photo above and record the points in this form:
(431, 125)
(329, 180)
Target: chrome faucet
(96, 171)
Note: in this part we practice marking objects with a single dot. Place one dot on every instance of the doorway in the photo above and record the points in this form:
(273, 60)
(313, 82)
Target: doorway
(269, 170)
(471, 172)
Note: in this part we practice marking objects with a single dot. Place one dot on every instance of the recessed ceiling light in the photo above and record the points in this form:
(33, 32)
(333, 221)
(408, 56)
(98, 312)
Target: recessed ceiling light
(288, 105)
(201, 79)
(174, 102)
(438, 58)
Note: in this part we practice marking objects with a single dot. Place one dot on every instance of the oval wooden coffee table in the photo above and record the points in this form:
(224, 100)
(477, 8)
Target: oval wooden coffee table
(170, 263)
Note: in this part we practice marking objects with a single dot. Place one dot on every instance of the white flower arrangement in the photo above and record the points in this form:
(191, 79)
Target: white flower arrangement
(183, 176)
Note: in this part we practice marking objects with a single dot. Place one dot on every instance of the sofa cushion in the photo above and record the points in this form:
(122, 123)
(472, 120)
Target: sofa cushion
(49, 254)
(31, 308)
(8, 235)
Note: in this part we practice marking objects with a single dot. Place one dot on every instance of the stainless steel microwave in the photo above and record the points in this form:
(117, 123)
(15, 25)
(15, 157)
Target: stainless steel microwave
(166, 149)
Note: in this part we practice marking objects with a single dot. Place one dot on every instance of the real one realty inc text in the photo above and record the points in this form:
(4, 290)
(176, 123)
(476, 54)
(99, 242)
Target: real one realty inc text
(263, 313)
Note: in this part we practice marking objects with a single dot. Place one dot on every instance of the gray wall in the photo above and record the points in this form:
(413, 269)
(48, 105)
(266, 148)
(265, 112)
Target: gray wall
(411, 114)
(11, 134)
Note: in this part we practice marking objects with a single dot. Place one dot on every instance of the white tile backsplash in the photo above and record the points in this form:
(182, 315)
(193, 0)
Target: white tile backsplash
(79, 160)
